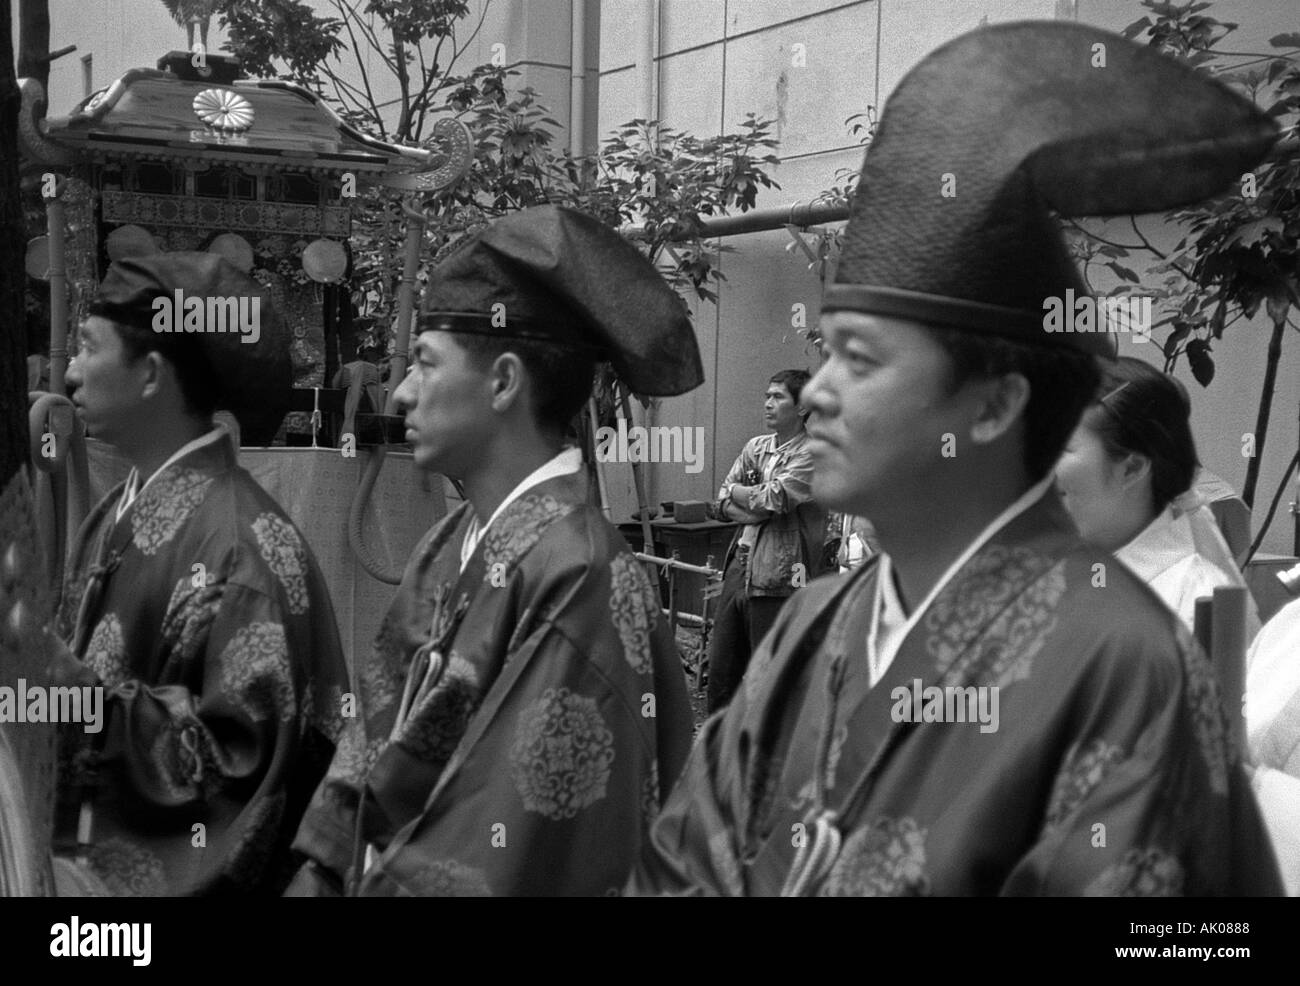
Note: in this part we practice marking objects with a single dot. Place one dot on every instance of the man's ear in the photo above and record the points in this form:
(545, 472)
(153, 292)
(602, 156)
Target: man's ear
(509, 381)
(1002, 400)
(154, 369)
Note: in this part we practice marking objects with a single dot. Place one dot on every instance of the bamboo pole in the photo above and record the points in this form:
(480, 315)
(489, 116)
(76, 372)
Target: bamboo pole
(1265, 407)
(638, 481)
(595, 463)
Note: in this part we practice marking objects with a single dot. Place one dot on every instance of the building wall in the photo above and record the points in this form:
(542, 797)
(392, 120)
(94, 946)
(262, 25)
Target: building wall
(118, 34)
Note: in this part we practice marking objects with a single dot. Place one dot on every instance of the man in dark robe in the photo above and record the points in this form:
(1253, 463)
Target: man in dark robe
(989, 706)
(524, 709)
(191, 598)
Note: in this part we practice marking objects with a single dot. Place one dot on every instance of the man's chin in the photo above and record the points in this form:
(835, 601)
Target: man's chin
(832, 494)
(431, 460)
(426, 460)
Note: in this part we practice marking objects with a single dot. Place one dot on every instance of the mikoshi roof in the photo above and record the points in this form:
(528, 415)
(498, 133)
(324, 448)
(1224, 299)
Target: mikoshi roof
(173, 115)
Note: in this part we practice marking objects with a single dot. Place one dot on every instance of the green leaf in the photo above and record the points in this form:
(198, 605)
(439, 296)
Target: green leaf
(1252, 232)
(1124, 273)
(1283, 106)
(1202, 364)
(1177, 335)
(1136, 28)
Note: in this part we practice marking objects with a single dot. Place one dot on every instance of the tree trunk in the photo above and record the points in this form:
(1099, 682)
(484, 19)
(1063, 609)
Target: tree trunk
(1265, 407)
(34, 41)
(13, 348)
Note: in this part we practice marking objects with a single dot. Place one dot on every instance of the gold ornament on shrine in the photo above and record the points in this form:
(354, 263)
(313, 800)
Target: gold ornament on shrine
(222, 109)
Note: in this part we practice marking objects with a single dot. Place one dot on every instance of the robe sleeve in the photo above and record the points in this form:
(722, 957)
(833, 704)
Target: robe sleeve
(1142, 803)
(693, 848)
(564, 795)
(227, 708)
(236, 729)
(327, 833)
(560, 771)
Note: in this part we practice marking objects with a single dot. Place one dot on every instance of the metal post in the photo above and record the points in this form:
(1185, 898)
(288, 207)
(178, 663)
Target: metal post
(641, 503)
(405, 329)
(1295, 514)
(54, 226)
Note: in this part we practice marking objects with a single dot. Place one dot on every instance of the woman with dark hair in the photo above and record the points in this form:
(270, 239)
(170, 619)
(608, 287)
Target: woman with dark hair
(1126, 477)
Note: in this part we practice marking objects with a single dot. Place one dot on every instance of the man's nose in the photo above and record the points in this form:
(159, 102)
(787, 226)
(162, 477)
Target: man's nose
(816, 394)
(402, 401)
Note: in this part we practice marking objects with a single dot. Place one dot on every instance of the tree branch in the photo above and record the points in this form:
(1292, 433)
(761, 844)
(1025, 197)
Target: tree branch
(352, 92)
(458, 49)
(369, 33)
(1101, 239)
(425, 98)
(420, 105)
(365, 76)
(404, 84)
(1163, 256)
(1245, 54)
(1132, 220)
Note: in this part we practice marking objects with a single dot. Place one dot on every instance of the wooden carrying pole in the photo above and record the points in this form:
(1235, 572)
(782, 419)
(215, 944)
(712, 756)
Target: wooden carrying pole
(592, 428)
(642, 507)
(1223, 623)
(1228, 655)
(404, 332)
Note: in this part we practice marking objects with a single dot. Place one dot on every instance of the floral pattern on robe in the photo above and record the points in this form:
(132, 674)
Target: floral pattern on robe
(533, 761)
(211, 629)
(634, 609)
(1106, 772)
(883, 859)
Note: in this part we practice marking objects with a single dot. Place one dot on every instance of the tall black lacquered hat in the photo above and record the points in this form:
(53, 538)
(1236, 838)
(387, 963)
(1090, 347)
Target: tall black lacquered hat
(555, 275)
(1015, 121)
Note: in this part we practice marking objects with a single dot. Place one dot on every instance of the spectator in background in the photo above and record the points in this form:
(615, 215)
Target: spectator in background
(779, 548)
(859, 543)
(1126, 478)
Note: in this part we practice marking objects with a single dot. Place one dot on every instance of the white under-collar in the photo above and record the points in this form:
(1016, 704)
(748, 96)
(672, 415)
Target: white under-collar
(1163, 543)
(568, 461)
(133, 488)
(890, 623)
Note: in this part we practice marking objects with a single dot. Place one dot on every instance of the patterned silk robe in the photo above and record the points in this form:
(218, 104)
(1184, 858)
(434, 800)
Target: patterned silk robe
(210, 626)
(536, 754)
(1108, 771)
